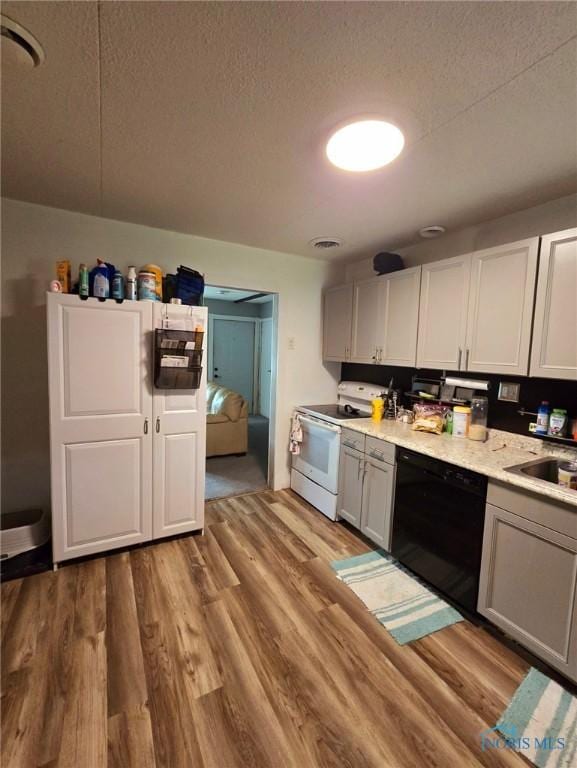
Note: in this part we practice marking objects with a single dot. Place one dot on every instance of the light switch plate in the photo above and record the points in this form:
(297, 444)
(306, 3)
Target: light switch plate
(509, 391)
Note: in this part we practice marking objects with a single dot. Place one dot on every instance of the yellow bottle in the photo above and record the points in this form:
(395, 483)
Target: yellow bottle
(378, 405)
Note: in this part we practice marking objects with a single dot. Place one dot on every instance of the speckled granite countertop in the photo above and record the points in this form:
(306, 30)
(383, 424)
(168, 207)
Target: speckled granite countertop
(502, 449)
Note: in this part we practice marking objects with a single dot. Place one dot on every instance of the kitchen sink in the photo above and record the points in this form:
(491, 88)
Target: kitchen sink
(546, 469)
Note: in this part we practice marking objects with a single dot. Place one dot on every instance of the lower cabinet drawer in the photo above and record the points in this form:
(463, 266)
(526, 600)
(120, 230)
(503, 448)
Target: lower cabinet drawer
(352, 439)
(380, 450)
(528, 586)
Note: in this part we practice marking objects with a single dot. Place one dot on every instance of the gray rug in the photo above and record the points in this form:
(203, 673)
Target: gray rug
(233, 475)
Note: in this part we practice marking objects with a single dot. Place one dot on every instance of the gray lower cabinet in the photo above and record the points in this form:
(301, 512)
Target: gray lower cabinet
(350, 485)
(366, 487)
(528, 583)
(377, 502)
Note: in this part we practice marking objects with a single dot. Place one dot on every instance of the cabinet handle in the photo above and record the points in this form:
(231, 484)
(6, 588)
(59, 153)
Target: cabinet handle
(467, 360)
(380, 354)
(459, 361)
(145, 426)
(157, 424)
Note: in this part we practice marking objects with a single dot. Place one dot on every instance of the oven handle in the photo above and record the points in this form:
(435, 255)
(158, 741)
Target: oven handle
(319, 423)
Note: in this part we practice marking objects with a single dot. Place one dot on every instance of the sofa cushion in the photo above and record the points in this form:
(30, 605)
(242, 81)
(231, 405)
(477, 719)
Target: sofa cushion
(217, 418)
(222, 401)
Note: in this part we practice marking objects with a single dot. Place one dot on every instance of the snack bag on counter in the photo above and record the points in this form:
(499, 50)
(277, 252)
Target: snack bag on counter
(429, 417)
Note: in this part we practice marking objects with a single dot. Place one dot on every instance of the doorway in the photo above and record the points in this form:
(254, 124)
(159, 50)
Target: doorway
(240, 393)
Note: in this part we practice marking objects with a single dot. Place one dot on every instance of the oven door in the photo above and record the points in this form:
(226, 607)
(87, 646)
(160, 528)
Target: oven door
(319, 456)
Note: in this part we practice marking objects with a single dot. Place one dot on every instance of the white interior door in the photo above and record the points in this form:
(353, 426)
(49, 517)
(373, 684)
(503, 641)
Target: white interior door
(233, 348)
(179, 442)
(265, 367)
(100, 424)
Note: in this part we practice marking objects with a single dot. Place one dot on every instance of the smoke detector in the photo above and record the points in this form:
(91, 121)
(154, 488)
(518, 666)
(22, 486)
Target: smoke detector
(19, 45)
(435, 230)
(324, 243)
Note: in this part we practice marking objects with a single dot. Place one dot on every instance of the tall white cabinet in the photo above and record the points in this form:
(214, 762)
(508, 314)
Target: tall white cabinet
(127, 460)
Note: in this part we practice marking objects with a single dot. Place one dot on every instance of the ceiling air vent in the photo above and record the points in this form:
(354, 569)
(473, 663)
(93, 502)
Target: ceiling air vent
(323, 243)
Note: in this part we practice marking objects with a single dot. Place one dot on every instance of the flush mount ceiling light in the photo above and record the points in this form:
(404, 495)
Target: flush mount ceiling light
(20, 44)
(365, 145)
(435, 230)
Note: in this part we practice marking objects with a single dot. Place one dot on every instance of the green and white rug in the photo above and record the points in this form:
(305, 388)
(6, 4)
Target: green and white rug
(540, 723)
(401, 603)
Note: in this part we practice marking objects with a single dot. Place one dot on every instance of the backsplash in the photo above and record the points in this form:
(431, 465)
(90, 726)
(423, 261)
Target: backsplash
(502, 415)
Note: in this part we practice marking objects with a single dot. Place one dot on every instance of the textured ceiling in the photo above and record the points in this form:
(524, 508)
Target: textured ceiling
(210, 118)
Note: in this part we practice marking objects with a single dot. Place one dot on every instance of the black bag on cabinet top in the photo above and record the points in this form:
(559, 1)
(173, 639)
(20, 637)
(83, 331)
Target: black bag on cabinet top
(387, 262)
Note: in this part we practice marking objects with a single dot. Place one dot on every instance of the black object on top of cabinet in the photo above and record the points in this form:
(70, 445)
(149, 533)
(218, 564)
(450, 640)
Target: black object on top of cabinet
(177, 359)
(438, 524)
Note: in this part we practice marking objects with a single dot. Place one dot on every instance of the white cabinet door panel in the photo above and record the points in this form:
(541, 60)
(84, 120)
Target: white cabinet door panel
(501, 308)
(337, 319)
(554, 348)
(400, 313)
(367, 321)
(103, 492)
(100, 424)
(443, 313)
(179, 445)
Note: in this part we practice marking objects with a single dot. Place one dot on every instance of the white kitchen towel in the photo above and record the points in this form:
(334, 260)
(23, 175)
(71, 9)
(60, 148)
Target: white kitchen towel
(296, 435)
(401, 603)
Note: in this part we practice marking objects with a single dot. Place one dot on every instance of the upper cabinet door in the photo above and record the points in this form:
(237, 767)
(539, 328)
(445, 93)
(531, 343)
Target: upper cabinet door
(500, 308)
(179, 442)
(554, 349)
(367, 321)
(443, 313)
(400, 313)
(338, 312)
(100, 424)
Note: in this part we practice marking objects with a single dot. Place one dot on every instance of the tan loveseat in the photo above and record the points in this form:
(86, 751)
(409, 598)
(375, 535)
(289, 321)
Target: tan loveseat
(226, 421)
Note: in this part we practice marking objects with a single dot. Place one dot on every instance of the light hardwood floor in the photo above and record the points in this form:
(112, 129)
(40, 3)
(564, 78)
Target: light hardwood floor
(238, 649)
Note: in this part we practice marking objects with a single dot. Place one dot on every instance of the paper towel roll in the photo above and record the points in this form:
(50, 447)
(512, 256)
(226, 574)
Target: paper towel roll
(467, 383)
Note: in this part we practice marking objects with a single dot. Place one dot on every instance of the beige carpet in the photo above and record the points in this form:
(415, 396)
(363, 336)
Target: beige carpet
(233, 475)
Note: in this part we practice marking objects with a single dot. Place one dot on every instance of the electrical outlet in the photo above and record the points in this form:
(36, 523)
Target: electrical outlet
(509, 391)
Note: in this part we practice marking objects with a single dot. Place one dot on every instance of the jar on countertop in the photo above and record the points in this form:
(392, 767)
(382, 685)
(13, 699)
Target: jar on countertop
(461, 420)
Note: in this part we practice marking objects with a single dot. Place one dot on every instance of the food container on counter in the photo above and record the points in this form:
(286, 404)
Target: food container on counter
(461, 420)
(567, 474)
(479, 413)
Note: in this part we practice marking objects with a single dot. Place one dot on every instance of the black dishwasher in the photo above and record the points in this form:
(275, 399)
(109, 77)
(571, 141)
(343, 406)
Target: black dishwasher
(438, 524)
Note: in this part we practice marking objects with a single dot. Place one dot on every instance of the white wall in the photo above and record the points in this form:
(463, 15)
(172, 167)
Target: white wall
(34, 237)
(553, 216)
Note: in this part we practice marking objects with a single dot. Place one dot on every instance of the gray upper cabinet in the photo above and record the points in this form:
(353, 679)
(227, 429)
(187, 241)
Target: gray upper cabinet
(338, 311)
(443, 313)
(554, 348)
(367, 321)
(400, 317)
(502, 286)
(528, 584)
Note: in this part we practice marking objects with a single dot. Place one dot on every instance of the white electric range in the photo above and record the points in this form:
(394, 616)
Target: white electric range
(315, 470)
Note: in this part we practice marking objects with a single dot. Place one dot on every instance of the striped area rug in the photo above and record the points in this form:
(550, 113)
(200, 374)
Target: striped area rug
(401, 603)
(541, 723)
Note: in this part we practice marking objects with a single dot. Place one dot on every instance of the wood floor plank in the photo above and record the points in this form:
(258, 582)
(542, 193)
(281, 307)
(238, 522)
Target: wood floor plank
(126, 677)
(174, 736)
(9, 592)
(130, 742)
(22, 636)
(257, 728)
(222, 572)
(84, 727)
